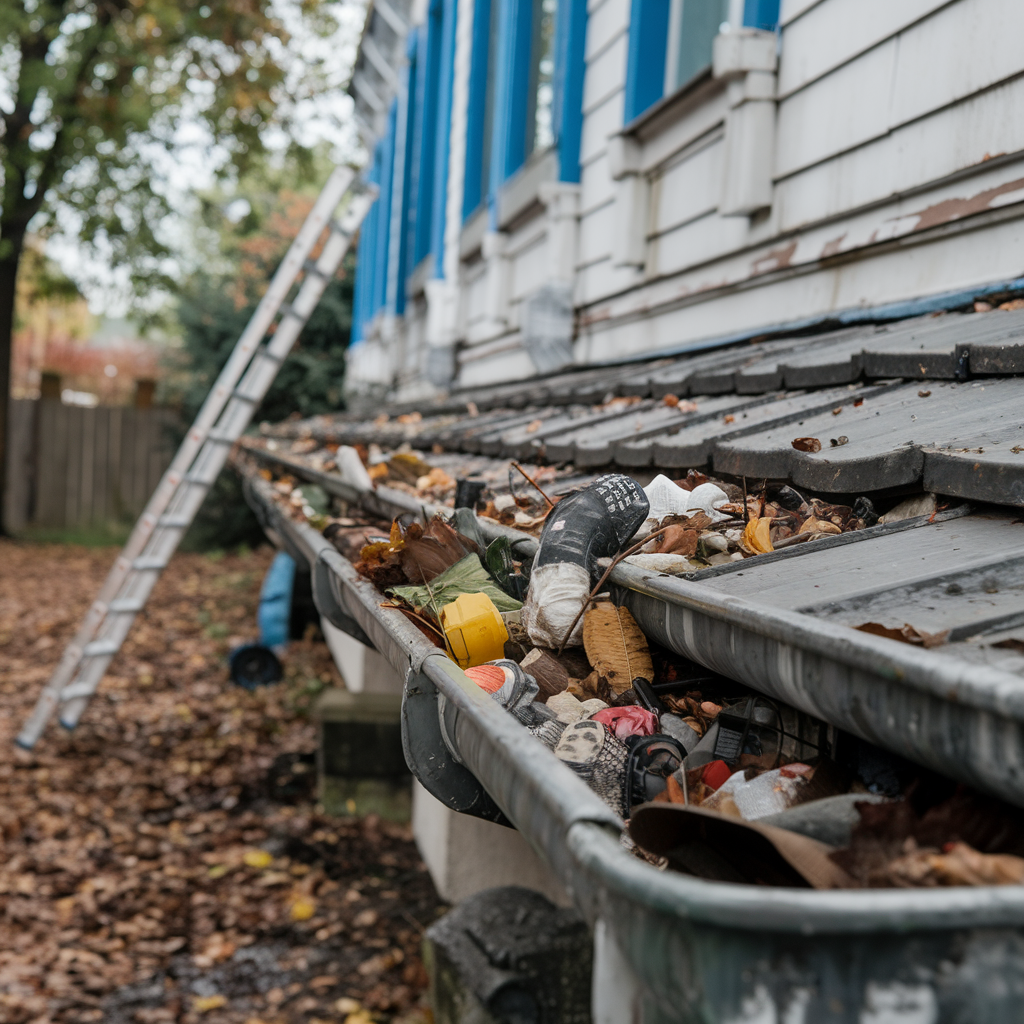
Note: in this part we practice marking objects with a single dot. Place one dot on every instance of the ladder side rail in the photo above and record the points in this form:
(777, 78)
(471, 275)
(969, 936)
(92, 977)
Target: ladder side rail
(213, 455)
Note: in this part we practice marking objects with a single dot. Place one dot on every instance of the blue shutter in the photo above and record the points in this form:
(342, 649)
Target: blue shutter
(648, 45)
(444, 122)
(476, 113)
(570, 64)
(512, 77)
(381, 250)
(428, 85)
(405, 195)
(761, 14)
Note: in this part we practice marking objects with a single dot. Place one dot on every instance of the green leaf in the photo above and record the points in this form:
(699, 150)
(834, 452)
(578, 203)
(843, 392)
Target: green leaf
(467, 576)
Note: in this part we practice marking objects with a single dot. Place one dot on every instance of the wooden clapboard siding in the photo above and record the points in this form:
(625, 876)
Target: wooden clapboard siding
(74, 467)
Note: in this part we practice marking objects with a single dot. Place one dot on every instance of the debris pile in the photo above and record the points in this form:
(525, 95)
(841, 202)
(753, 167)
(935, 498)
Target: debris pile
(714, 781)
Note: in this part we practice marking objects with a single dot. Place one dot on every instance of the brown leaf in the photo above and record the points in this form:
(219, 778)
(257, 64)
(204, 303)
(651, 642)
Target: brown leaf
(678, 540)
(426, 553)
(906, 634)
(806, 444)
(616, 646)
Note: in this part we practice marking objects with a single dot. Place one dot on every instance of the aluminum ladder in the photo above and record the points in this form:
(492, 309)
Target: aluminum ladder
(224, 416)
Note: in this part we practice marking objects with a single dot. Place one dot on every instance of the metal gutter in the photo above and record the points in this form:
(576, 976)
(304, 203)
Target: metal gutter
(699, 951)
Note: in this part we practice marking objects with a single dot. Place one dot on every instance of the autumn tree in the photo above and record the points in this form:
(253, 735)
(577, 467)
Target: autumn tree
(93, 97)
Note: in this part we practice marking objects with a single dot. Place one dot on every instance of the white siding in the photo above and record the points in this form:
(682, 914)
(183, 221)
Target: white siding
(833, 33)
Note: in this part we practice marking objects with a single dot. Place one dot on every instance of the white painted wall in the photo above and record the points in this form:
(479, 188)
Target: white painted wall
(896, 165)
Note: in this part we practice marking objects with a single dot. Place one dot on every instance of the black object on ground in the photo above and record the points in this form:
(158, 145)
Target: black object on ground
(510, 956)
(254, 665)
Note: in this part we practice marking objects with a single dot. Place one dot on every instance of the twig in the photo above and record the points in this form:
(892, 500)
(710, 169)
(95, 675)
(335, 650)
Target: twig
(746, 507)
(600, 583)
(533, 483)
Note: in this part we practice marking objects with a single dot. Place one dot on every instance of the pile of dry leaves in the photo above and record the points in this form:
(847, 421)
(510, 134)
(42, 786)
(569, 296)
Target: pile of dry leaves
(166, 861)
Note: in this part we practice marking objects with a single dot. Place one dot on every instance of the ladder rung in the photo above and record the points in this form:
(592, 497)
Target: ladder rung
(97, 647)
(126, 604)
(243, 397)
(146, 563)
(337, 228)
(312, 270)
(220, 437)
(287, 309)
(271, 356)
(175, 521)
(73, 690)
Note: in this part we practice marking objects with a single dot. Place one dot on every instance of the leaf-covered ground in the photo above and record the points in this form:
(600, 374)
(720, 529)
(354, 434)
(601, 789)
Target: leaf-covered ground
(166, 861)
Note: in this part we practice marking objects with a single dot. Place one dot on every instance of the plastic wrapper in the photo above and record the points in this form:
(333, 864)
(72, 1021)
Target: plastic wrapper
(628, 721)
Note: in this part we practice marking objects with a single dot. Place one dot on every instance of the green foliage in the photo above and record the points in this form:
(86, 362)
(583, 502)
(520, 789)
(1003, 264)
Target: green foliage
(99, 91)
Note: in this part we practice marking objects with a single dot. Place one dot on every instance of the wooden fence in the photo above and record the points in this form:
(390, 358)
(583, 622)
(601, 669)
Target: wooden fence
(79, 467)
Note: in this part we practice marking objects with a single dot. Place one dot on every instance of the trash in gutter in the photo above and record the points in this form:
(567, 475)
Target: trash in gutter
(712, 783)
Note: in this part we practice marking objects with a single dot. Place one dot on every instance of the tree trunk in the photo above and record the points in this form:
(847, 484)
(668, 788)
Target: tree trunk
(8, 281)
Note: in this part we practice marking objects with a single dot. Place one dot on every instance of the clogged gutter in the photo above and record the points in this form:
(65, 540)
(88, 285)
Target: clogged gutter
(714, 780)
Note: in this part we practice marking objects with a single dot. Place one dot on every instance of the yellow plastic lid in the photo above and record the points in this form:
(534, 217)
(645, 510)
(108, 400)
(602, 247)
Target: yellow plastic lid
(475, 630)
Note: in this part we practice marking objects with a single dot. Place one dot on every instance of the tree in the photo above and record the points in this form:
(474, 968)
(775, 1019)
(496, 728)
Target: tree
(93, 95)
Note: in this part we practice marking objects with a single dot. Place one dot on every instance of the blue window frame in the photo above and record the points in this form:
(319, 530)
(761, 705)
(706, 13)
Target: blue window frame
(480, 106)
(446, 73)
(656, 67)
(526, 91)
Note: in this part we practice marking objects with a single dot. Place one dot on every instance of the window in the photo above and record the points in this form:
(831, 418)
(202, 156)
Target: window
(525, 91)
(656, 68)
(692, 30)
(539, 125)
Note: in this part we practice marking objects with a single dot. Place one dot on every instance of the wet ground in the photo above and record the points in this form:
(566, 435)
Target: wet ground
(167, 860)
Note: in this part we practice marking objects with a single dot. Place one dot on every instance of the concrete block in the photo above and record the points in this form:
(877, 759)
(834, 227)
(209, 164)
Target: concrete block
(508, 956)
(360, 762)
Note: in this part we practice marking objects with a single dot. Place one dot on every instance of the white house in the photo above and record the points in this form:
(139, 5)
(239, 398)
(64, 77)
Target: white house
(578, 181)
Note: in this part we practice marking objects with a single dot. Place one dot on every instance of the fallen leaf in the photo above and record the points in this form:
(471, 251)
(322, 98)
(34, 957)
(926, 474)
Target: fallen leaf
(813, 525)
(257, 859)
(906, 634)
(534, 426)
(806, 444)
(837, 410)
(678, 540)
(729, 419)
(302, 909)
(1011, 645)
(923, 394)
(616, 646)
(757, 536)
(203, 1004)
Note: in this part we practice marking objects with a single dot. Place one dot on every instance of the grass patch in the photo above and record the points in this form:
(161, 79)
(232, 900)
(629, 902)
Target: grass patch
(98, 535)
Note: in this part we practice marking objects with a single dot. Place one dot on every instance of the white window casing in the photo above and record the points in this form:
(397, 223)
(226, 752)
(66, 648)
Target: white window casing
(747, 59)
